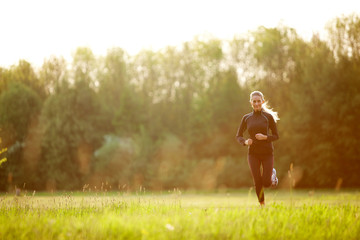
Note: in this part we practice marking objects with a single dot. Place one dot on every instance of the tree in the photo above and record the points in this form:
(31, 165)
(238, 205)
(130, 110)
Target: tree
(120, 102)
(24, 73)
(19, 108)
(53, 74)
(72, 131)
(344, 35)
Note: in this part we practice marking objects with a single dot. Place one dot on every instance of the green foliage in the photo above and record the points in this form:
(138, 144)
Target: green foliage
(84, 64)
(2, 161)
(53, 74)
(178, 110)
(344, 36)
(120, 103)
(70, 121)
(18, 105)
(25, 74)
(19, 109)
(2, 152)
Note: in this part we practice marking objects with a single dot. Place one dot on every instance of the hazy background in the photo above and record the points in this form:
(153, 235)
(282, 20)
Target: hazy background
(34, 30)
(118, 95)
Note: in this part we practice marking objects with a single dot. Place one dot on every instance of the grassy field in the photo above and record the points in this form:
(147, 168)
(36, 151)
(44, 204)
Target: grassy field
(176, 215)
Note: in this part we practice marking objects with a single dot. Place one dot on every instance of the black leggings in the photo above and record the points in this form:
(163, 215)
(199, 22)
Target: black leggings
(264, 179)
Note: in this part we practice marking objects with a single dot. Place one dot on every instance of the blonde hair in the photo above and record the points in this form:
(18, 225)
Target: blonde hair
(265, 105)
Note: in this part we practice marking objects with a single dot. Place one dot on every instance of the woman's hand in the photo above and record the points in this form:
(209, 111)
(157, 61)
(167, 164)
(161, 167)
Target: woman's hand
(260, 136)
(248, 142)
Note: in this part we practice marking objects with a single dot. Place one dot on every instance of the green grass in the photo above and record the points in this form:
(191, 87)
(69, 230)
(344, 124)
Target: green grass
(176, 215)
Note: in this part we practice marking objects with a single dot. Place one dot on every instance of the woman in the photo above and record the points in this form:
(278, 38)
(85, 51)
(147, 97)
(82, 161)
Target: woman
(260, 146)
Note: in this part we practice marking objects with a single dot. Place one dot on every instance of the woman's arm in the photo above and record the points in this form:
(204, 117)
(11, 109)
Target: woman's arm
(239, 135)
(274, 132)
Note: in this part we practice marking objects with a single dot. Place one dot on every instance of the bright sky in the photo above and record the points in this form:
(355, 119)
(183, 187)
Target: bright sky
(36, 29)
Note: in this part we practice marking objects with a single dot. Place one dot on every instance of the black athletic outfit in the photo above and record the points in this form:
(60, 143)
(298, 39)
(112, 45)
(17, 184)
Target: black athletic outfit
(260, 151)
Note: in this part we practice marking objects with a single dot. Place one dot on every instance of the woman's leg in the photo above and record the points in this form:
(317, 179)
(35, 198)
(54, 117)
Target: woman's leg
(267, 162)
(264, 179)
(254, 164)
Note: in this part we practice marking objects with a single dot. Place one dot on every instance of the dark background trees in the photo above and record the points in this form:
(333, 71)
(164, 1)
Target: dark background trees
(168, 119)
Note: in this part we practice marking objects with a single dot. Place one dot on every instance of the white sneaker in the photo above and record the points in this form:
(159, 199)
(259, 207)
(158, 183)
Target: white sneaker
(274, 179)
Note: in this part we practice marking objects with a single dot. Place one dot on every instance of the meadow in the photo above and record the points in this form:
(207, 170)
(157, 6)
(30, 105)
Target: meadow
(298, 214)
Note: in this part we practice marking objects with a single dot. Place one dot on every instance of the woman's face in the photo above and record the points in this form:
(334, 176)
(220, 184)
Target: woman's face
(256, 102)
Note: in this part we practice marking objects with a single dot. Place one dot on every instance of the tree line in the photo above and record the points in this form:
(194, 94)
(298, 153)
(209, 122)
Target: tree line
(167, 119)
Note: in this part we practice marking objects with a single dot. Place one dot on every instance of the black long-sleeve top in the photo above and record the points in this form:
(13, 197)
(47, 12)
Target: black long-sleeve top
(258, 122)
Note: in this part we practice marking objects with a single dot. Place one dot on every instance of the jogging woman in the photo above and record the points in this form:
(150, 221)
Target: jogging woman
(260, 147)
